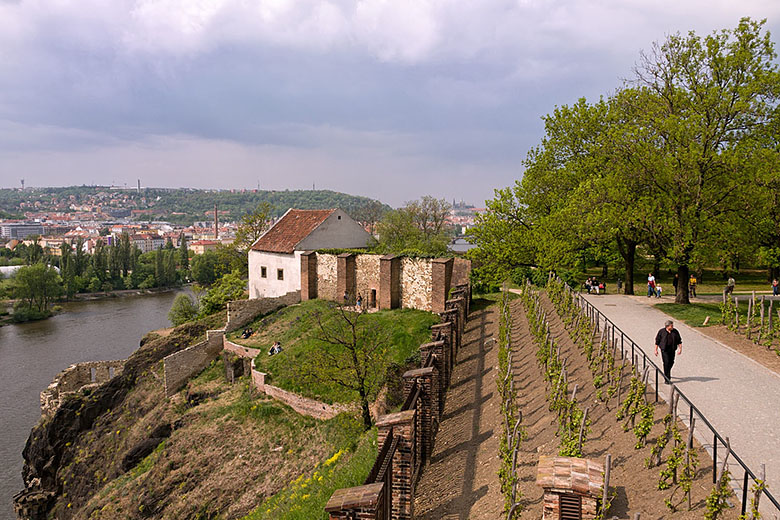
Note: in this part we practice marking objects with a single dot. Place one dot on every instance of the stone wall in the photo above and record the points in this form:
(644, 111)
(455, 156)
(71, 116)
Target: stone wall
(302, 405)
(367, 278)
(76, 377)
(416, 283)
(242, 312)
(182, 365)
(239, 350)
(327, 277)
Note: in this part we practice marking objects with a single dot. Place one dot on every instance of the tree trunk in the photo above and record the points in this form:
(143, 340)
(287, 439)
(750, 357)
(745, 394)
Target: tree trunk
(683, 274)
(367, 423)
(604, 271)
(627, 249)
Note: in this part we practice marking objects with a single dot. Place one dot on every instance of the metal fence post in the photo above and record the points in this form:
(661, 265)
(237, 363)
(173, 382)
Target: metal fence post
(744, 492)
(714, 457)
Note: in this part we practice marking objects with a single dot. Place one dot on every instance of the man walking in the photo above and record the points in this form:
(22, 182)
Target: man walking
(668, 339)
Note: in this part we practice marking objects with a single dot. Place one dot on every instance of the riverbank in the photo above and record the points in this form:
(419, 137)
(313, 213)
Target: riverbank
(7, 305)
(34, 353)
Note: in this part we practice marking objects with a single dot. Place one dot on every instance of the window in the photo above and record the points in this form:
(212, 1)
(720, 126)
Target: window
(280, 274)
(263, 272)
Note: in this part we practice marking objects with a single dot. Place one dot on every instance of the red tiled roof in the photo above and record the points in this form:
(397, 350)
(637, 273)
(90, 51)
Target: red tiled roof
(291, 229)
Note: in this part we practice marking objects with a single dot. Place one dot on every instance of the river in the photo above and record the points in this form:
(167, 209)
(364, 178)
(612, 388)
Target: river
(31, 354)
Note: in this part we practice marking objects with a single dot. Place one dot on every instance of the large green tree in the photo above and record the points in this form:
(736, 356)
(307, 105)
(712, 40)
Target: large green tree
(704, 98)
(36, 286)
(420, 226)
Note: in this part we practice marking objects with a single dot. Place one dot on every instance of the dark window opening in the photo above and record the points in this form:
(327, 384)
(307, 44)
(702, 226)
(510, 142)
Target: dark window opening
(280, 274)
(263, 272)
(372, 301)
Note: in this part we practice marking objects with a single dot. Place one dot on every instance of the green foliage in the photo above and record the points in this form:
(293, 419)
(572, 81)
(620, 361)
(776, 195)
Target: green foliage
(296, 328)
(305, 497)
(717, 501)
(229, 287)
(420, 228)
(204, 268)
(36, 286)
(252, 225)
(183, 310)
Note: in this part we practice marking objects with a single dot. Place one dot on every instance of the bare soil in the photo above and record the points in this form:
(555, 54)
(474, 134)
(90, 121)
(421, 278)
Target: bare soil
(461, 482)
(767, 357)
(634, 484)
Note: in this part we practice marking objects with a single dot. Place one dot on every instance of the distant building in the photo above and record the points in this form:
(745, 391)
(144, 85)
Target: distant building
(147, 242)
(201, 246)
(19, 230)
(275, 258)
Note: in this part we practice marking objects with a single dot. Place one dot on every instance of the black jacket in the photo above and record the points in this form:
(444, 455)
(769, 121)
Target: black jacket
(660, 338)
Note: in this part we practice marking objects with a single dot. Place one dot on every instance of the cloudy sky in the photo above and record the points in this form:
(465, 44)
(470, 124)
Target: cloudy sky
(387, 98)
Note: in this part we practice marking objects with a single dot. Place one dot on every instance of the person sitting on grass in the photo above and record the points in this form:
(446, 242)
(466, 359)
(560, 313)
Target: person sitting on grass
(275, 348)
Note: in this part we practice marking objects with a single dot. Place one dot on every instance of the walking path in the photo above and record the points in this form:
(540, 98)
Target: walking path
(740, 397)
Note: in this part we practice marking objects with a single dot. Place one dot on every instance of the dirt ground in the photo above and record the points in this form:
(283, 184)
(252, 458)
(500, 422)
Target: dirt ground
(634, 484)
(461, 481)
(767, 357)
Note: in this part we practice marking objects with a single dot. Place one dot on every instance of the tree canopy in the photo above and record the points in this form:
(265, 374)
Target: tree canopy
(672, 163)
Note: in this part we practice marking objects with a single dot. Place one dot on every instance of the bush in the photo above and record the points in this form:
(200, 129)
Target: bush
(183, 310)
(22, 315)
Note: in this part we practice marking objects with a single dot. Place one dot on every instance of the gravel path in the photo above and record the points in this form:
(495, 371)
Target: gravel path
(740, 397)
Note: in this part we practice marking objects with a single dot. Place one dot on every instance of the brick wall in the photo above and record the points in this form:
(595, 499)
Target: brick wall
(76, 377)
(182, 365)
(302, 405)
(241, 312)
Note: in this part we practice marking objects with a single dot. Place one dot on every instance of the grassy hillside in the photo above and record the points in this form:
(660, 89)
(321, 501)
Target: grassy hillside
(296, 328)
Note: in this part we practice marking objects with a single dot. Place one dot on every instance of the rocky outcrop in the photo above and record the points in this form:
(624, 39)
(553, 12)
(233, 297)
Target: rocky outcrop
(49, 447)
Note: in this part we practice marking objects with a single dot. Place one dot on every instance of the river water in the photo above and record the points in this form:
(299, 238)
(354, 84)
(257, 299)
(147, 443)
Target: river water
(31, 354)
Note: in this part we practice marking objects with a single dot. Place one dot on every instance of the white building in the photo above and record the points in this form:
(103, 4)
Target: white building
(275, 258)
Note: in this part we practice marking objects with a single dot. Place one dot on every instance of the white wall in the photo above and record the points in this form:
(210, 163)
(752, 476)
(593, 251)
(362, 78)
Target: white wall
(336, 232)
(270, 287)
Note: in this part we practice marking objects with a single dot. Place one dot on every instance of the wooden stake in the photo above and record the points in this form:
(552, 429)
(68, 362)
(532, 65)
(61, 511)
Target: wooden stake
(761, 328)
(725, 461)
(574, 392)
(605, 495)
(688, 449)
(757, 495)
(749, 315)
(582, 429)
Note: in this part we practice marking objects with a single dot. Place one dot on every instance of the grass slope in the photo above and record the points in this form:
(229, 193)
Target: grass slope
(297, 330)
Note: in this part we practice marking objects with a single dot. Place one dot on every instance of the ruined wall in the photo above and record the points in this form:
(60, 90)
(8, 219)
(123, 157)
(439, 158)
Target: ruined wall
(302, 405)
(76, 377)
(416, 283)
(367, 277)
(327, 277)
(180, 366)
(241, 312)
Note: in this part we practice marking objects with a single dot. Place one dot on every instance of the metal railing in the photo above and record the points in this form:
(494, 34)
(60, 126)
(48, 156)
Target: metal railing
(597, 317)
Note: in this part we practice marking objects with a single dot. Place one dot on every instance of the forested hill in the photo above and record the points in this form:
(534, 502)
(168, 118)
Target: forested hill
(183, 206)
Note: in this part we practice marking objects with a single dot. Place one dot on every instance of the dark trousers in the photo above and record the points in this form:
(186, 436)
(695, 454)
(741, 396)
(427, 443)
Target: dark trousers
(668, 357)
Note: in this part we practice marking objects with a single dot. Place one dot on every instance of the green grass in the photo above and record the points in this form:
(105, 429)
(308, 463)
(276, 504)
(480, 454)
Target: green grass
(297, 330)
(305, 497)
(694, 314)
(748, 280)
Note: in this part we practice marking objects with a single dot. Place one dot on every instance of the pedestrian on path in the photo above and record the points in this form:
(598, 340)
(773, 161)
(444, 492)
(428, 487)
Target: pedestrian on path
(692, 285)
(730, 285)
(775, 288)
(676, 282)
(650, 285)
(668, 340)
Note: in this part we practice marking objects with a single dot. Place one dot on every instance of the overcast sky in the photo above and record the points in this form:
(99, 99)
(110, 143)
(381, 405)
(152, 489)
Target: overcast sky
(392, 99)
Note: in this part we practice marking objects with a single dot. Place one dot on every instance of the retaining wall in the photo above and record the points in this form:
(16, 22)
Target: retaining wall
(241, 312)
(302, 405)
(182, 365)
